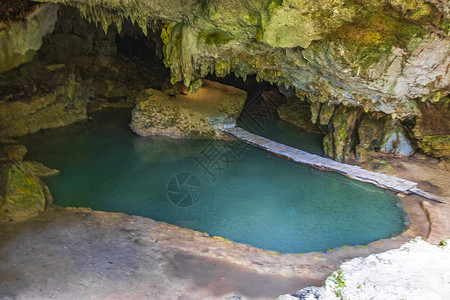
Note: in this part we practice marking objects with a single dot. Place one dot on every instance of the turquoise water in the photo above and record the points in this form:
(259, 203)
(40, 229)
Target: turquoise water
(282, 132)
(227, 189)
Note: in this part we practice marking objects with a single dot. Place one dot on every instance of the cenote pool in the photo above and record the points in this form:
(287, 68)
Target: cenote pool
(227, 189)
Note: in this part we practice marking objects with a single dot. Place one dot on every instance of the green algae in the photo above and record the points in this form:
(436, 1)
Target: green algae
(214, 37)
(436, 145)
(24, 193)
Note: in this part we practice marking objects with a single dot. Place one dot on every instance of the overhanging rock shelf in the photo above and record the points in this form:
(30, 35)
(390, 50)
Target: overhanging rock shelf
(315, 161)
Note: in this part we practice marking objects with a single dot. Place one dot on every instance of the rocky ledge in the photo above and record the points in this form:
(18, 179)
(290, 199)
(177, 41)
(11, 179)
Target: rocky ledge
(367, 70)
(389, 275)
(22, 193)
(176, 113)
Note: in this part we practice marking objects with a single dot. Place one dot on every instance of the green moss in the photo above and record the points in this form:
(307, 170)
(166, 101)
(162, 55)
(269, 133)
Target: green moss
(274, 4)
(436, 145)
(372, 35)
(254, 17)
(339, 281)
(216, 37)
(24, 195)
(222, 68)
(165, 33)
(259, 34)
(445, 25)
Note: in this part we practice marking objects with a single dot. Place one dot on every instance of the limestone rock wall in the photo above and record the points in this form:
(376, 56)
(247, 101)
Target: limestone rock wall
(77, 68)
(380, 58)
(378, 55)
(20, 40)
(39, 96)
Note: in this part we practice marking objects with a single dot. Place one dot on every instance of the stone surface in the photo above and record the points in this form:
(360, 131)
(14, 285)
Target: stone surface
(187, 115)
(48, 98)
(112, 255)
(387, 57)
(20, 40)
(15, 152)
(299, 114)
(365, 54)
(78, 68)
(44, 171)
(395, 274)
(436, 145)
(308, 293)
(398, 144)
(439, 218)
(24, 195)
(372, 132)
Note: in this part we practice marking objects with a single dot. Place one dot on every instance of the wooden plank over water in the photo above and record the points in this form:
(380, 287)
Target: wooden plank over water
(316, 161)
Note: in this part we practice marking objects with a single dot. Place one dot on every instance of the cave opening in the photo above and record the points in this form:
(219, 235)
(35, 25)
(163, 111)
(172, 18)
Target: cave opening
(221, 187)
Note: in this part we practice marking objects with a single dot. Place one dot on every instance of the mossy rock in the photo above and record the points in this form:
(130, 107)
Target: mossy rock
(372, 133)
(298, 114)
(341, 130)
(15, 152)
(436, 145)
(186, 115)
(25, 195)
(20, 41)
(61, 105)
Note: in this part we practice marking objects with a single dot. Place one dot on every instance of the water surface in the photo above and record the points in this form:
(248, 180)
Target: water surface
(228, 189)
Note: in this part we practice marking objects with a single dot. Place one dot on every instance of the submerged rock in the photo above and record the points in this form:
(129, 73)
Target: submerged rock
(187, 115)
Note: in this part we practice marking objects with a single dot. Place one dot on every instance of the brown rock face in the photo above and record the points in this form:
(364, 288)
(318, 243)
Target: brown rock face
(432, 129)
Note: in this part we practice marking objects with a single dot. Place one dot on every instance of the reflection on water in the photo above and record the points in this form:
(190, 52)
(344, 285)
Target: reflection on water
(229, 189)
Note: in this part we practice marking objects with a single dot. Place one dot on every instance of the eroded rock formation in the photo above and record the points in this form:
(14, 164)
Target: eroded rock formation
(22, 193)
(78, 68)
(22, 31)
(178, 114)
(379, 58)
(360, 67)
